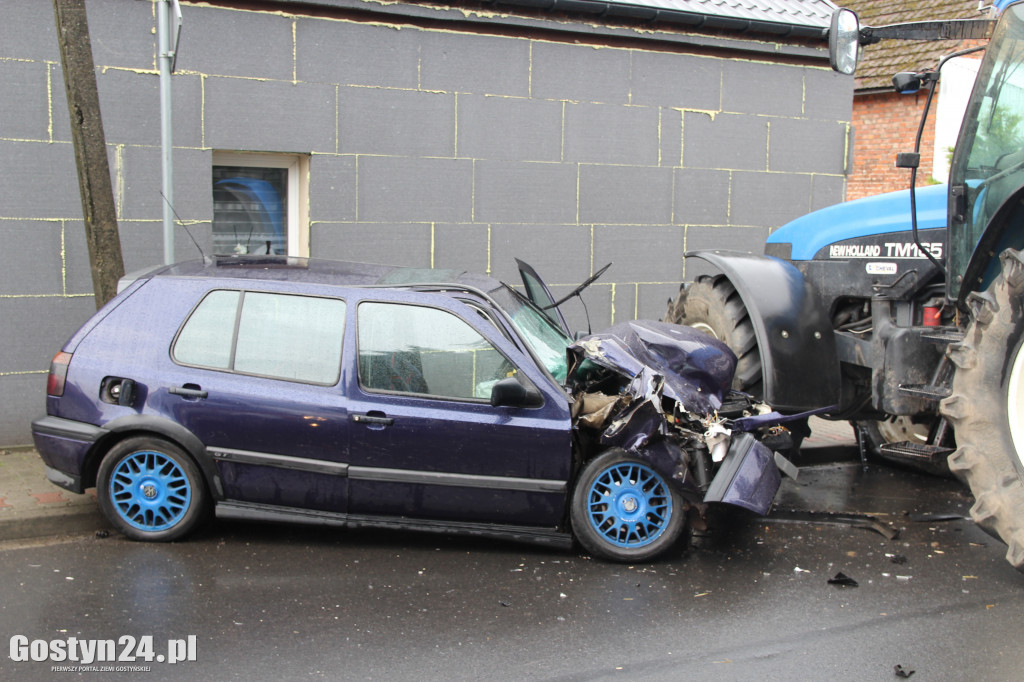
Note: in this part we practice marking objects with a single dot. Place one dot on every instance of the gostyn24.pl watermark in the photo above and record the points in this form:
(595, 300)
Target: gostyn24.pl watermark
(124, 651)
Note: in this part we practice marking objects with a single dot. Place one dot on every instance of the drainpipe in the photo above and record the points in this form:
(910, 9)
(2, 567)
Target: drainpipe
(168, 29)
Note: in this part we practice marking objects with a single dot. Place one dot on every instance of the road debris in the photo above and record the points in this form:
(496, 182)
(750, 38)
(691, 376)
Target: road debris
(834, 518)
(843, 580)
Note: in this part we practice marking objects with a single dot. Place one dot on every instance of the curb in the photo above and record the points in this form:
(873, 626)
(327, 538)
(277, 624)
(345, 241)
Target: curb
(32, 507)
(52, 522)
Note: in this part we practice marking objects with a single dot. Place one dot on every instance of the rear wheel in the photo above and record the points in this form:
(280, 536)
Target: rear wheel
(623, 510)
(713, 306)
(986, 407)
(151, 490)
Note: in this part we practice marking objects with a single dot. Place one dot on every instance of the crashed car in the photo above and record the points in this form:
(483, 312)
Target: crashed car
(355, 395)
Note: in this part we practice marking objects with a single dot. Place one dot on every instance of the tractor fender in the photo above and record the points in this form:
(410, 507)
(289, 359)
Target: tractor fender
(792, 327)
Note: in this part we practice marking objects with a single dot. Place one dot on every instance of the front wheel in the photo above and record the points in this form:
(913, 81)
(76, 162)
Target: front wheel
(623, 510)
(986, 407)
(151, 490)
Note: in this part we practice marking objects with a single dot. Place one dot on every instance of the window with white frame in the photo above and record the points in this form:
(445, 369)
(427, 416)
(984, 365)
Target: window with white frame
(259, 203)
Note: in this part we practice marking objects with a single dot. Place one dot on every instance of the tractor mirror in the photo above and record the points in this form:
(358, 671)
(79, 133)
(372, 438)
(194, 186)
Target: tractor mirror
(844, 41)
(907, 82)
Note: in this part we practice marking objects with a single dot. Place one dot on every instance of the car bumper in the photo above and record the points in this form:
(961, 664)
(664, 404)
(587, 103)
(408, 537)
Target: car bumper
(64, 445)
(748, 478)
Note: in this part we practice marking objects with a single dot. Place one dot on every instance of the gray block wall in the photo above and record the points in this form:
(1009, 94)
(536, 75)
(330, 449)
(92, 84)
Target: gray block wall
(427, 147)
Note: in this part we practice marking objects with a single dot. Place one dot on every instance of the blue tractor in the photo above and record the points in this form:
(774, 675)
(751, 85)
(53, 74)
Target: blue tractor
(902, 313)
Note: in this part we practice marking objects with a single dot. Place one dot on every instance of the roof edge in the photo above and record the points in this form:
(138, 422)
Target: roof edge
(571, 16)
(697, 20)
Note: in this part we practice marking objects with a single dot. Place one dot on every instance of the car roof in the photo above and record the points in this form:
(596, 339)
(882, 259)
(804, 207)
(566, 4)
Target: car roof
(317, 271)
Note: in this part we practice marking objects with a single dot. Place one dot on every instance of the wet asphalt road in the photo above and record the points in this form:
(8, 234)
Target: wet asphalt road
(750, 601)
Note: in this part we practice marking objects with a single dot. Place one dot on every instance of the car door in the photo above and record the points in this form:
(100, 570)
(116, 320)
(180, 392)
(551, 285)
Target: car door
(256, 380)
(426, 443)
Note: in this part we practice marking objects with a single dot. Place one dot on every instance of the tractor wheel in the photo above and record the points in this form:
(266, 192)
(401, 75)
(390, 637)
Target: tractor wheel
(713, 306)
(986, 407)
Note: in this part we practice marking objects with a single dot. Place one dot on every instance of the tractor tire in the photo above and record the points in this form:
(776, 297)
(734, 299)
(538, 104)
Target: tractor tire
(713, 306)
(986, 407)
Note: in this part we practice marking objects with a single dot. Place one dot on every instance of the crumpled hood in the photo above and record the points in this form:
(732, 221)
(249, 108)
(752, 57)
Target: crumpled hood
(658, 391)
(697, 368)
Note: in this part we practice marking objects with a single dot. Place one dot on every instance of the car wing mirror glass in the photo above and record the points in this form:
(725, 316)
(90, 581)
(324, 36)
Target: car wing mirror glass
(510, 393)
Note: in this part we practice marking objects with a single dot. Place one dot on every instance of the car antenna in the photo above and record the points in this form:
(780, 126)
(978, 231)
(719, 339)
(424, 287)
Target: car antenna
(182, 224)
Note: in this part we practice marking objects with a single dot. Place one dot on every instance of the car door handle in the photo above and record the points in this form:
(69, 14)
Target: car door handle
(377, 418)
(188, 391)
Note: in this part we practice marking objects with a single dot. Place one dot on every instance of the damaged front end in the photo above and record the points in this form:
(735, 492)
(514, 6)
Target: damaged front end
(661, 392)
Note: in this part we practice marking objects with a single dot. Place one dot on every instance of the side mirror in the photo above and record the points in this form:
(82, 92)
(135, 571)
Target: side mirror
(510, 393)
(844, 41)
(907, 82)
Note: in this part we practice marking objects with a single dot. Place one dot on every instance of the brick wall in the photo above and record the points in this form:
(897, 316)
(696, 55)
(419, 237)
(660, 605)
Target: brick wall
(885, 124)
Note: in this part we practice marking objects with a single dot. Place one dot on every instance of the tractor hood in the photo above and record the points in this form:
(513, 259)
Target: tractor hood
(879, 214)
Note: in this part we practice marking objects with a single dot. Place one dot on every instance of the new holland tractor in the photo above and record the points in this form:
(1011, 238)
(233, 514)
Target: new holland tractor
(903, 313)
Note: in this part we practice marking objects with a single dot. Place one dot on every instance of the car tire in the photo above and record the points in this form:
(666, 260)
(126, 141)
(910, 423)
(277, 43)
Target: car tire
(986, 407)
(151, 490)
(623, 510)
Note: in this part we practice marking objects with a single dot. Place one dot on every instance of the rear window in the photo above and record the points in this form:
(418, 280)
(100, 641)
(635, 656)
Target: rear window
(284, 336)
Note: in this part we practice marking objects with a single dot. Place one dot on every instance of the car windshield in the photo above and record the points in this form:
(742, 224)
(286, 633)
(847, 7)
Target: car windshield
(548, 342)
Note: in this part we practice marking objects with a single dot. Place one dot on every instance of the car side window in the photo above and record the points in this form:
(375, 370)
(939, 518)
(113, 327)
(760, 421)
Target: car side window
(284, 336)
(426, 351)
(207, 338)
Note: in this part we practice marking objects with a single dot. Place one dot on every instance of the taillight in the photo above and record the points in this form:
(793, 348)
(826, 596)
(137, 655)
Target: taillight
(58, 374)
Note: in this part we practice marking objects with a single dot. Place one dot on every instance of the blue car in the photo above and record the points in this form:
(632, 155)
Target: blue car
(354, 395)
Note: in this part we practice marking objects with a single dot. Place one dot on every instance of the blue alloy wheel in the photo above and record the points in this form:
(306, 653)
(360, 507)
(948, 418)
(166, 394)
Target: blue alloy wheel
(150, 491)
(629, 505)
(624, 510)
